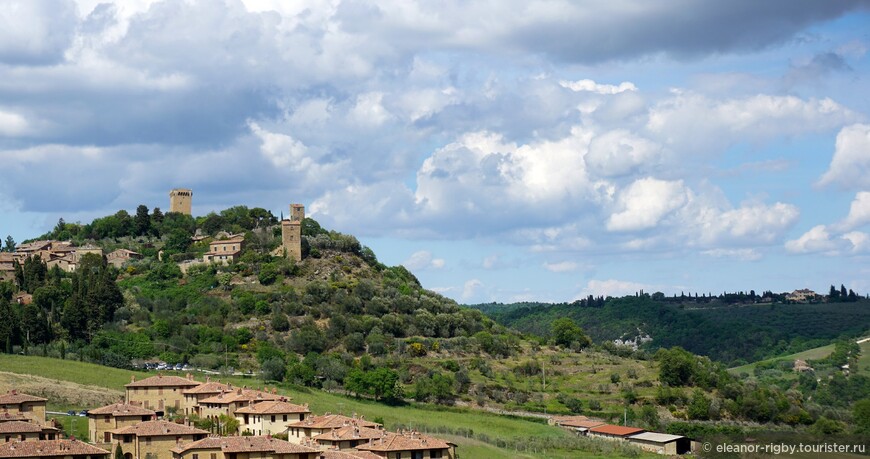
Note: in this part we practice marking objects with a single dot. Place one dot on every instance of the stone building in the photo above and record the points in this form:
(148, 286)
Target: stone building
(270, 417)
(410, 445)
(159, 392)
(59, 449)
(258, 447)
(180, 200)
(30, 406)
(291, 232)
(101, 421)
(348, 437)
(154, 439)
(25, 431)
(316, 425)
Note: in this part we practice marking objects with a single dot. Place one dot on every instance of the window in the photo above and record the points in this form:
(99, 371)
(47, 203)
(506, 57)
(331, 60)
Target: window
(435, 454)
(212, 456)
(273, 418)
(108, 419)
(147, 440)
(195, 456)
(285, 418)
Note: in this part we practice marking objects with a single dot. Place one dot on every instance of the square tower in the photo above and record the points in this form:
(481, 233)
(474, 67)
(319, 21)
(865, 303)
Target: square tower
(179, 200)
(291, 232)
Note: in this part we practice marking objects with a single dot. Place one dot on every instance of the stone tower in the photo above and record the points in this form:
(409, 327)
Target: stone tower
(179, 200)
(291, 232)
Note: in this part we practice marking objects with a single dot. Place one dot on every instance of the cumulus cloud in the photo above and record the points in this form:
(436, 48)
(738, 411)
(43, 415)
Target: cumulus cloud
(737, 254)
(471, 289)
(645, 202)
(561, 267)
(36, 32)
(850, 166)
(859, 212)
(817, 239)
(592, 86)
(12, 124)
(423, 259)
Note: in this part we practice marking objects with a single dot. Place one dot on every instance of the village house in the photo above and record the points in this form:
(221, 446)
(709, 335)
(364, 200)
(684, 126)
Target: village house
(159, 392)
(30, 406)
(269, 417)
(224, 251)
(25, 431)
(119, 257)
(154, 439)
(194, 395)
(801, 296)
(5, 416)
(348, 437)
(226, 403)
(659, 443)
(316, 425)
(801, 366)
(59, 449)
(7, 266)
(245, 447)
(577, 424)
(103, 420)
(612, 432)
(409, 445)
(348, 454)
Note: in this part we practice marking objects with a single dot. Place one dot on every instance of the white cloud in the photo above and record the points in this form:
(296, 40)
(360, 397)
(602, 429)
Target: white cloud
(471, 289)
(753, 223)
(369, 110)
(859, 241)
(12, 124)
(859, 211)
(619, 152)
(850, 166)
(645, 202)
(281, 149)
(817, 239)
(613, 287)
(592, 86)
(422, 260)
(561, 267)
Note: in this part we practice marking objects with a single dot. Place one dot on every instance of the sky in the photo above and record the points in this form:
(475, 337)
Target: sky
(501, 150)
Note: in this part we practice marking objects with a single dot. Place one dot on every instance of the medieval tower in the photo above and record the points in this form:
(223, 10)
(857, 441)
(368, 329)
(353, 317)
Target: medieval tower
(179, 200)
(291, 232)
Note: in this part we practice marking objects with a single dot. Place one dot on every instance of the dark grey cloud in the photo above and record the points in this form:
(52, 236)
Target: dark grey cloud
(36, 32)
(820, 65)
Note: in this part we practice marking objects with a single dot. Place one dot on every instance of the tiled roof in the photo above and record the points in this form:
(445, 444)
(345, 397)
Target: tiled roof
(273, 407)
(21, 427)
(329, 421)
(122, 409)
(163, 381)
(45, 448)
(588, 424)
(350, 433)
(208, 387)
(622, 431)
(656, 437)
(14, 398)
(240, 395)
(158, 428)
(404, 442)
(348, 454)
(245, 445)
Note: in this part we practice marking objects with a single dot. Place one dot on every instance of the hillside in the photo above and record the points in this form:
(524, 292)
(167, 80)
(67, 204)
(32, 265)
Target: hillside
(732, 333)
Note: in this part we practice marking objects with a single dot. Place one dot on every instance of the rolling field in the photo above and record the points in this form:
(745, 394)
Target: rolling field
(811, 354)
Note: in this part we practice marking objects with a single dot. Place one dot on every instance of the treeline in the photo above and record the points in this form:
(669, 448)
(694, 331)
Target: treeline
(733, 335)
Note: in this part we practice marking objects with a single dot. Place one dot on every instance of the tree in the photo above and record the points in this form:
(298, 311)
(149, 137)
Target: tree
(119, 453)
(565, 331)
(861, 415)
(10, 244)
(7, 325)
(676, 366)
(142, 221)
(273, 369)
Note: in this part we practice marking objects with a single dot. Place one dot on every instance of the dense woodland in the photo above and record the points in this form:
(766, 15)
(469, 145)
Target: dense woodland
(340, 320)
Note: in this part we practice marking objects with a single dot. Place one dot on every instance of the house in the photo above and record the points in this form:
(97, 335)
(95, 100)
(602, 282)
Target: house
(7, 416)
(224, 251)
(60, 449)
(347, 454)
(154, 439)
(660, 443)
(577, 424)
(119, 257)
(102, 420)
(801, 366)
(801, 296)
(413, 445)
(348, 437)
(7, 266)
(159, 392)
(29, 406)
(194, 395)
(316, 425)
(612, 432)
(67, 263)
(259, 447)
(25, 431)
(22, 298)
(270, 417)
(226, 403)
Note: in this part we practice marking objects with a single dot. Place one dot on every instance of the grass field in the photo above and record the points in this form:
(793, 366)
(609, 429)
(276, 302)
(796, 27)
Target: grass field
(811, 354)
(534, 439)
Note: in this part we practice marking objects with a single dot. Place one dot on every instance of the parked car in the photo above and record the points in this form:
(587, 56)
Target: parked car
(71, 413)
(83, 413)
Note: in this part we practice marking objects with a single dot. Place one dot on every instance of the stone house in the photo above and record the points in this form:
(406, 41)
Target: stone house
(256, 447)
(29, 406)
(154, 439)
(270, 417)
(159, 392)
(409, 445)
(103, 420)
(54, 449)
(25, 431)
(348, 437)
(226, 403)
(118, 257)
(317, 425)
(224, 251)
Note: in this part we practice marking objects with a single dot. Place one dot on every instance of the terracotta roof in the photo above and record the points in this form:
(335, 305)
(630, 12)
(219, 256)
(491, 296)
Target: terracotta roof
(122, 409)
(329, 421)
(407, 441)
(21, 427)
(245, 445)
(588, 424)
(158, 428)
(240, 395)
(348, 454)
(350, 433)
(14, 397)
(163, 381)
(208, 387)
(6, 416)
(273, 407)
(622, 431)
(44, 448)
